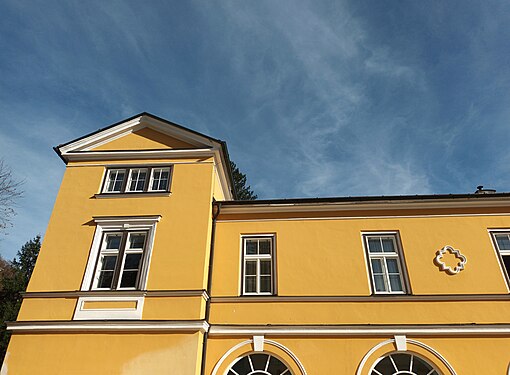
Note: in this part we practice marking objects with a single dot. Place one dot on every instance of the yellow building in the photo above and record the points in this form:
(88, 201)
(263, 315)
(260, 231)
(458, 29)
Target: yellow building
(150, 266)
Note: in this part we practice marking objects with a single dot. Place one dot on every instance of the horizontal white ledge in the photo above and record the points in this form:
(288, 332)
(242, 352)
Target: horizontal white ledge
(139, 154)
(374, 299)
(110, 326)
(457, 330)
(106, 294)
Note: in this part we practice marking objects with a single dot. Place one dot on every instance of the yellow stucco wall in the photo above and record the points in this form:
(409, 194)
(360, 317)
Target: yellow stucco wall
(174, 308)
(95, 353)
(47, 309)
(181, 240)
(342, 355)
(413, 312)
(326, 257)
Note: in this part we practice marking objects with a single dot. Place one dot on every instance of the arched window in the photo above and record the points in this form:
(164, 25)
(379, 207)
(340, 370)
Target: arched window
(259, 364)
(403, 363)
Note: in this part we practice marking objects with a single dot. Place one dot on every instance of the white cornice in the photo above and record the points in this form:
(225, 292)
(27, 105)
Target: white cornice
(139, 154)
(110, 326)
(365, 205)
(99, 137)
(328, 330)
(124, 128)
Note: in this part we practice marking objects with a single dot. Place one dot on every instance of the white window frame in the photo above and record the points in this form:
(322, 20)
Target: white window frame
(398, 255)
(130, 179)
(501, 253)
(108, 178)
(134, 224)
(151, 180)
(257, 257)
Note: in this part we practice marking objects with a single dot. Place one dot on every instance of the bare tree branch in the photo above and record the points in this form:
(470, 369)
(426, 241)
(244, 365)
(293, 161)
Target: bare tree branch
(10, 191)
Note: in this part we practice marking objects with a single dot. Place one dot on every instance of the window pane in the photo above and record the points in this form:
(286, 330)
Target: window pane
(129, 279)
(392, 265)
(264, 246)
(115, 180)
(108, 262)
(113, 241)
(376, 266)
(132, 261)
(503, 241)
(388, 245)
(265, 284)
(379, 283)
(385, 366)
(395, 283)
(105, 279)
(251, 267)
(420, 366)
(506, 262)
(242, 366)
(374, 245)
(137, 179)
(251, 247)
(136, 241)
(160, 178)
(276, 366)
(265, 267)
(251, 284)
(259, 361)
(403, 361)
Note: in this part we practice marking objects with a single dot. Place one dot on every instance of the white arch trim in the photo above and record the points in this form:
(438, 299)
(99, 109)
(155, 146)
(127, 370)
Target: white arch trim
(409, 341)
(268, 342)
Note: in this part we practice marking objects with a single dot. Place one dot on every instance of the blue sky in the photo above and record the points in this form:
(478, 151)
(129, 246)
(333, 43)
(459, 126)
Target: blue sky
(315, 98)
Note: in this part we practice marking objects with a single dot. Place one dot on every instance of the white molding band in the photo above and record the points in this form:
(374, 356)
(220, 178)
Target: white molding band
(121, 326)
(324, 330)
(115, 293)
(447, 298)
(81, 313)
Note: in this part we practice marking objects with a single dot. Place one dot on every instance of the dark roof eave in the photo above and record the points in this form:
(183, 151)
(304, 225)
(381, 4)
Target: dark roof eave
(380, 198)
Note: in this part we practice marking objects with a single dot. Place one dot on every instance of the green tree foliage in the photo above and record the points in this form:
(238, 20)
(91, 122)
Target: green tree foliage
(14, 277)
(244, 193)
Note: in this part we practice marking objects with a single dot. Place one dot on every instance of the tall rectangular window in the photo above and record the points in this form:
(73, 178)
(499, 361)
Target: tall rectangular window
(258, 265)
(385, 265)
(120, 260)
(502, 242)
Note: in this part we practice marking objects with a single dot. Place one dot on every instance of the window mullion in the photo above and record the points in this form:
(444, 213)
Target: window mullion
(127, 172)
(258, 275)
(120, 260)
(386, 274)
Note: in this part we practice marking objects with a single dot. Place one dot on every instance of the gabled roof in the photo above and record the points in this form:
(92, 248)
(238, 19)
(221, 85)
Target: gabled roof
(84, 148)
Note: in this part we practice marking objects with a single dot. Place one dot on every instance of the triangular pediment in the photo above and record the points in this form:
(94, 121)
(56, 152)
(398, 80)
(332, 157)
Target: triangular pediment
(146, 136)
(144, 139)
(142, 132)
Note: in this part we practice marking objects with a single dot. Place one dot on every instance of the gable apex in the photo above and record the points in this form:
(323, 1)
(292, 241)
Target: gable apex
(135, 123)
(180, 142)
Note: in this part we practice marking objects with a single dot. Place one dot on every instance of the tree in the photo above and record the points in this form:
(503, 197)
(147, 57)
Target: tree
(14, 277)
(244, 193)
(9, 193)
